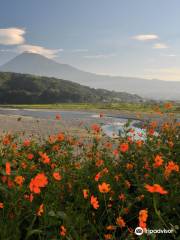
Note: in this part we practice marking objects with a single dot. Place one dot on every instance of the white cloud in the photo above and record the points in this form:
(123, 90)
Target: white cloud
(160, 46)
(12, 36)
(145, 37)
(49, 53)
(15, 36)
(100, 56)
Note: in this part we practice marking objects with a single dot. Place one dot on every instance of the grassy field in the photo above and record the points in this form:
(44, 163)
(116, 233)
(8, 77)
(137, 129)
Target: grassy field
(129, 107)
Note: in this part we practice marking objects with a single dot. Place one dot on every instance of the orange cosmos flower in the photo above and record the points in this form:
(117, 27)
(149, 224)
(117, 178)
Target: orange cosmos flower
(108, 236)
(39, 181)
(8, 168)
(26, 143)
(108, 145)
(24, 165)
(158, 161)
(117, 177)
(44, 157)
(40, 210)
(140, 197)
(139, 143)
(58, 117)
(151, 131)
(99, 163)
(53, 165)
(1, 205)
(104, 171)
(111, 227)
(31, 197)
(34, 187)
(55, 148)
(97, 177)
(155, 188)
(153, 124)
(60, 137)
(52, 139)
(120, 222)
(129, 166)
(19, 180)
(104, 187)
(62, 231)
(115, 152)
(85, 193)
(127, 183)
(124, 147)
(30, 156)
(142, 225)
(96, 128)
(57, 176)
(168, 105)
(122, 197)
(14, 146)
(143, 215)
(130, 139)
(126, 210)
(94, 202)
(171, 166)
(10, 183)
(6, 140)
(3, 179)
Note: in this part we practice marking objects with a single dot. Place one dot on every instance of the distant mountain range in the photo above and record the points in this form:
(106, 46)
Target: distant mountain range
(36, 64)
(17, 88)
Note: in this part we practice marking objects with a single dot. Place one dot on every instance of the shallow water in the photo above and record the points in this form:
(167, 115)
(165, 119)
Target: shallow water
(51, 114)
(111, 125)
(45, 113)
(116, 130)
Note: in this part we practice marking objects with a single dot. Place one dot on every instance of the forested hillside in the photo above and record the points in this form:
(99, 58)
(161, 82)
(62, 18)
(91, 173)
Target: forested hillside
(18, 88)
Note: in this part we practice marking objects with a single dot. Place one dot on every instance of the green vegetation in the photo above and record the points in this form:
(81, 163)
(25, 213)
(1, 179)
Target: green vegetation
(18, 88)
(129, 107)
(68, 188)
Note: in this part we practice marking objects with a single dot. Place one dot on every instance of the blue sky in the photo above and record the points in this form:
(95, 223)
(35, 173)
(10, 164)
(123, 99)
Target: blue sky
(116, 37)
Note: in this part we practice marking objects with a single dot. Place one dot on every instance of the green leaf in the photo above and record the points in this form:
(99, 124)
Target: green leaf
(33, 232)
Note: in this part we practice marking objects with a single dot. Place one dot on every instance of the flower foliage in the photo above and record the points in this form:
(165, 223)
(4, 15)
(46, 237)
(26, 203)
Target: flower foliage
(96, 188)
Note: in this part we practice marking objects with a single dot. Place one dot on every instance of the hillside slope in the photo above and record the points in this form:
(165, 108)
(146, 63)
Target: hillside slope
(36, 64)
(18, 88)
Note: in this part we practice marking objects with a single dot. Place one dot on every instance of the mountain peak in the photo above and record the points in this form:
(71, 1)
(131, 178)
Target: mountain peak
(36, 64)
(29, 54)
(31, 63)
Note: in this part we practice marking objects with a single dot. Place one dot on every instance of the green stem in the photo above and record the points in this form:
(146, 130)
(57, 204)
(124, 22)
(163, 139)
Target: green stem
(158, 213)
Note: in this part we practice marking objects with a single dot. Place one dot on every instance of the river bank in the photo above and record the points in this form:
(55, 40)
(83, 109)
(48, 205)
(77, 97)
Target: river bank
(44, 122)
